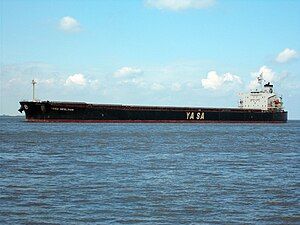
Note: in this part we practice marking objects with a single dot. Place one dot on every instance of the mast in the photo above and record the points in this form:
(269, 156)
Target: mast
(33, 89)
(260, 80)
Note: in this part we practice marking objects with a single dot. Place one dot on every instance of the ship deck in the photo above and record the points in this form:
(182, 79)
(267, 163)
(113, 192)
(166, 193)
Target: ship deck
(144, 108)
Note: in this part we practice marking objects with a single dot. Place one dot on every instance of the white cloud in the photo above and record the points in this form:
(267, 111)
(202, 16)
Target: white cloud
(286, 55)
(94, 84)
(47, 81)
(157, 87)
(127, 71)
(76, 79)
(177, 5)
(268, 75)
(14, 81)
(69, 24)
(133, 81)
(176, 86)
(214, 81)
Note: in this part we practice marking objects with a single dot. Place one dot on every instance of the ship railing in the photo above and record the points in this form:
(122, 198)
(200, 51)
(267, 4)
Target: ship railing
(26, 100)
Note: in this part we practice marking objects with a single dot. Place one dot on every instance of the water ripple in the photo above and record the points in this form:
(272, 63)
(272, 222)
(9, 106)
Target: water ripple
(149, 173)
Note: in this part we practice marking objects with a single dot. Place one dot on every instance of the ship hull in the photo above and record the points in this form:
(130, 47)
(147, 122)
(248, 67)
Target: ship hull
(46, 111)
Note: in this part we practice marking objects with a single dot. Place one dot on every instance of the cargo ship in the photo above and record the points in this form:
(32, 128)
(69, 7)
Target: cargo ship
(259, 106)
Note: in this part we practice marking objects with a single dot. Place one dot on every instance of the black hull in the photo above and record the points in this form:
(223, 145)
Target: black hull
(82, 112)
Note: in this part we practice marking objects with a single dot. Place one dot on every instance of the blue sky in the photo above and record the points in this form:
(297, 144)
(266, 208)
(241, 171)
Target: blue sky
(152, 52)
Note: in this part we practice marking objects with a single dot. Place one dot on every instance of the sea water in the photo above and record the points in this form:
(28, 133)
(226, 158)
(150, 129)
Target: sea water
(68, 173)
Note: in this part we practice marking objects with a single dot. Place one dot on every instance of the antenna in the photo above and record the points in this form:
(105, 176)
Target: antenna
(33, 89)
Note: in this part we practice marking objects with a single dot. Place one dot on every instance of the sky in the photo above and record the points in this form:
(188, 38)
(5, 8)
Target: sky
(148, 52)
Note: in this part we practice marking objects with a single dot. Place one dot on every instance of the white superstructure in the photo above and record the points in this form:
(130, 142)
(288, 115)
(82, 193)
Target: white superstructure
(263, 99)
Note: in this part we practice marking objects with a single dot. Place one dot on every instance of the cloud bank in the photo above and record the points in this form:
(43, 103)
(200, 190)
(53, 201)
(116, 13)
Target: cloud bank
(157, 87)
(176, 5)
(214, 81)
(286, 55)
(176, 86)
(127, 71)
(143, 86)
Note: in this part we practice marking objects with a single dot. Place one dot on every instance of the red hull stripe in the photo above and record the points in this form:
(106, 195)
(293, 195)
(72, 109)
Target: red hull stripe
(143, 121)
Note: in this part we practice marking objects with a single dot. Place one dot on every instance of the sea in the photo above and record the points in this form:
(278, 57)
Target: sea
(69, 173)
